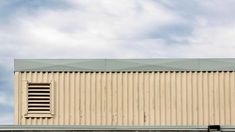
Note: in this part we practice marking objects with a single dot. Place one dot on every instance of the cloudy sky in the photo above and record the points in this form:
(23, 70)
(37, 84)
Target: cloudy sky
(110, 29)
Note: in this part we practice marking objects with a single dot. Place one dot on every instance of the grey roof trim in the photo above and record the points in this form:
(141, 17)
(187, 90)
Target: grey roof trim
(78, 127)
(210, 64)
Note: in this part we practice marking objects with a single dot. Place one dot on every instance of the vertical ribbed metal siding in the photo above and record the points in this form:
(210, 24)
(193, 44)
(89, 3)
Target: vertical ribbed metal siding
(134, 98)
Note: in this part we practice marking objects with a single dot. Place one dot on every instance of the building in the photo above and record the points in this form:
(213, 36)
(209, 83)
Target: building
(125, 92)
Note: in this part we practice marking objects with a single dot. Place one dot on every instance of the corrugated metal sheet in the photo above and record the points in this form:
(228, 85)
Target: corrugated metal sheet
(133, 98)
(225, 64)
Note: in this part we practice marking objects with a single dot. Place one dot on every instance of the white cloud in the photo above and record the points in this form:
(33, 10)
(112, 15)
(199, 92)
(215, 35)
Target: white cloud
(218, 12)
(104, 28)
(214, 31)
(89, 29)
(217, 6)
(209, 41)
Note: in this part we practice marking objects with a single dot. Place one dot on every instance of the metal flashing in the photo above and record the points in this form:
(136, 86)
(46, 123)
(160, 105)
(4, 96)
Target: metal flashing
(105, 65)
(107, 128)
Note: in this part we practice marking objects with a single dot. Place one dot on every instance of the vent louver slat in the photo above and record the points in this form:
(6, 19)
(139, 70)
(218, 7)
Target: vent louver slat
(39, 98)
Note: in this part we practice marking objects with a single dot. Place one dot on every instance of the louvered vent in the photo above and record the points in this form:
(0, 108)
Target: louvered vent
(39, 98)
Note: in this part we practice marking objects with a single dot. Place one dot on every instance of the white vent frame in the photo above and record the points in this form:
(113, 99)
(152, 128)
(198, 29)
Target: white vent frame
(29, 114)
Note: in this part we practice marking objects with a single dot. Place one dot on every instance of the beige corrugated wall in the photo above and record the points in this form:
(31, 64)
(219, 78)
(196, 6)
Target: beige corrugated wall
(133, 98)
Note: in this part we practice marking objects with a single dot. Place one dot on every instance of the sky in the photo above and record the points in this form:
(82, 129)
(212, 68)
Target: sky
(110, 29)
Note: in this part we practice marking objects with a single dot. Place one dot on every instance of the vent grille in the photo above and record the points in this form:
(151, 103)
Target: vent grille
(39, 98)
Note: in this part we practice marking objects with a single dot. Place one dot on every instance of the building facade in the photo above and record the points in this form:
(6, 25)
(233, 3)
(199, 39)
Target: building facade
(125, 92)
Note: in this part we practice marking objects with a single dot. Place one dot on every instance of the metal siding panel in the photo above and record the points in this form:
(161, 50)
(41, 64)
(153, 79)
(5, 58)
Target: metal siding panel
(178, 99)
(125, 99)
(167, 99)
(87, 98)
(57, 98)
(184, 99)
(141, 98)
(61, 95)
(194, 98)
(200, 99)
(130, 103)
(205, 99)
(146, 98)
(23, 92)
(157, 98)
(189, 98)
(135, 98)
(33, 122)
(162, 99)
(216, 98)
(109, 99)
(151, 102)
(50, 79)
(45, 76)
(66, 98)
(72, 101)
(77, 97)
(211, 98)
(173, 99)
(222, 112)
(103, 99)
(93, 90)
(232, 98)
(29, 79)
(120, 99)
(20, 98)
(227, 100)
(82, 103)
(114, 99)
(46, 79)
